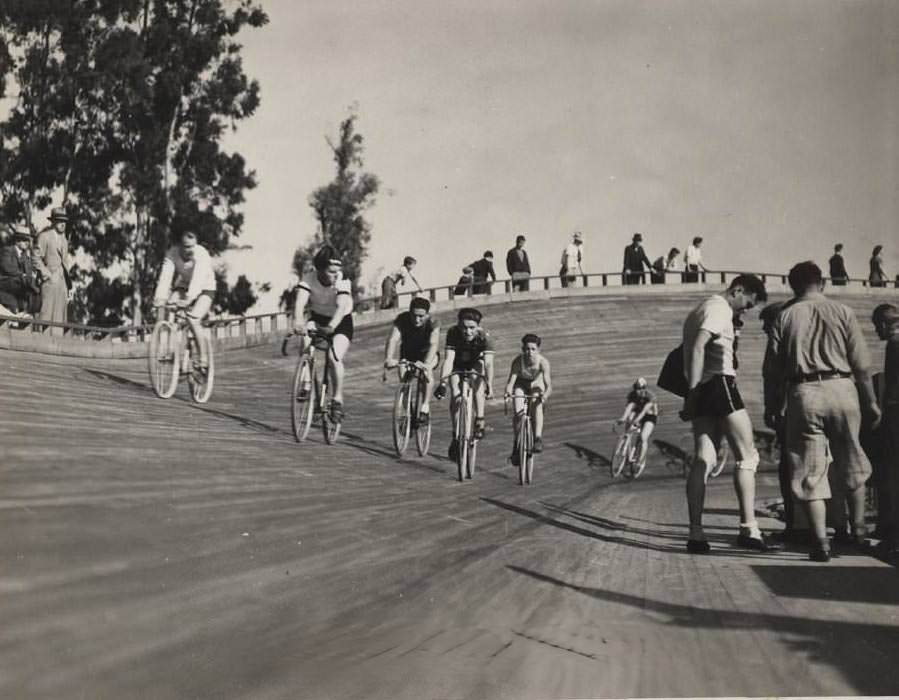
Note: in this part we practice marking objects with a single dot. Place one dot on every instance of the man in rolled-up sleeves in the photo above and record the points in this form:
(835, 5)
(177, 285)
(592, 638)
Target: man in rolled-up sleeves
(823, 364)
(50, 258)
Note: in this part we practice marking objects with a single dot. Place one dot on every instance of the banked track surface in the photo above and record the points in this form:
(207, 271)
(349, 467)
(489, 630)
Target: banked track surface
(161, 549)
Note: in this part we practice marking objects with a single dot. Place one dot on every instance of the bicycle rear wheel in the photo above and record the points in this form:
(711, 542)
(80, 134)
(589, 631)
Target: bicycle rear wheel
(330, 427)
(163, 359)
(302, 399)
(200, 383)
(637, 464)
(402, 420)
(472, 459)
(523, 431)
(529, 474)
(423, 432)
(620, 456)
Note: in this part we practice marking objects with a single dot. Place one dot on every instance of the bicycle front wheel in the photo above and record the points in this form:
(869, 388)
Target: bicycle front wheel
(523, 430)
(302, 399)
(330, 427)
(423, 432)
(637, 464)
(620, 456)
(200, 382)
(463, 432)
(163, 359)
(402, 420)
(529, 472)
(472, 459)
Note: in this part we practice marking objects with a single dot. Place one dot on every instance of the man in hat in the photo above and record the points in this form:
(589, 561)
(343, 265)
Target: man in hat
(572, 260)
(518, 266)
(51, 259)
(634, 260)
(17, 285)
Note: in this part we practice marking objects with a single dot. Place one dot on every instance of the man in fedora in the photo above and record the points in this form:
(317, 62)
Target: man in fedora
(17, 285)
(634, 260)
(51, 259)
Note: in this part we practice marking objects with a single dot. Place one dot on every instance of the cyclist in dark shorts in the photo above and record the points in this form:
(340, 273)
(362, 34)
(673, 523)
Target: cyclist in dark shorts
(642, 408)
(468, 347)
(415, 336)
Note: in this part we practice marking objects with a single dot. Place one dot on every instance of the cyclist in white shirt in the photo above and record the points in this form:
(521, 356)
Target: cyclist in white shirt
(330, 301)
(188, 281)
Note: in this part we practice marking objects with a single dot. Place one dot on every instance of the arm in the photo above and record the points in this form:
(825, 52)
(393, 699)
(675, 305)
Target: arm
(513, 376)
(510, 263)
(433, 344)
(488, 363)
(628, 411)
(391, 348)
(547, 380)
(298, 307)
(417, 285)
(491, 272)
(344, 308)
(448, 360)
(860, 361)
(694, 358)
(164, 285)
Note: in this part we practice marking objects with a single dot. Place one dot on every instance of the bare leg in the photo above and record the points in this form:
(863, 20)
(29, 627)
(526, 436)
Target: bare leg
(704, 433)
(738, 430)
(339, 347)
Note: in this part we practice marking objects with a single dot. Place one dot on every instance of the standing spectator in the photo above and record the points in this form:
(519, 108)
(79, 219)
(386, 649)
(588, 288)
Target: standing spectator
(51, 259)
(518, 266)
(886, 321)
(572, 260)
(390, 298)
(818, 349)
(715, 407)
(483, 270)
(663, 265)
(465, 283)
(693, 261)
(877, 277)
(838, 274)
(17, 284)
(634, 260)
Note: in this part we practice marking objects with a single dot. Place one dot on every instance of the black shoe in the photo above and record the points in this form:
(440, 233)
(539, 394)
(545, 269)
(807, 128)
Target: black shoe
(480, 427)
(698, 547)
(757, 544)
(424, 419)
(336, 412)
(516, 462)
(453, 451)
(538, 445)
(820, 554)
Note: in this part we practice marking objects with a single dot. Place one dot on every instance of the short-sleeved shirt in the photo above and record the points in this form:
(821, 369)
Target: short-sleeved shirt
(816, 334)
(641, 398)
(468, 352)
(715, 316)
(193, 275)
(573, 256)
(415, 341)
(322, 299)
(693, 256)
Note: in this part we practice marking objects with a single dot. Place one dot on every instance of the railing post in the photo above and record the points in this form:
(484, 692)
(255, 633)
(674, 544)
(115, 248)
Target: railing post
(546, 283)
(605, 280)
(508, 286)
(432, 295)
(242, 327)
(585, 280)
(723, 278)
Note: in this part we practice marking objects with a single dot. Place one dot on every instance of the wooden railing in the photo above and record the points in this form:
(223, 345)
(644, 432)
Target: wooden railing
(242, 326)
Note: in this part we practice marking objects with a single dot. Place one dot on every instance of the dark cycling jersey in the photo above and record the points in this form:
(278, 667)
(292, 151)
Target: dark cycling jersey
(415, 341)
(468, 352)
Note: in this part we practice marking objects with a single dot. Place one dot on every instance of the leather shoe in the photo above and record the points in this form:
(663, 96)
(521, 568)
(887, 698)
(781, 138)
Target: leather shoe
(819, 554)
(698, 547)
(757, 544)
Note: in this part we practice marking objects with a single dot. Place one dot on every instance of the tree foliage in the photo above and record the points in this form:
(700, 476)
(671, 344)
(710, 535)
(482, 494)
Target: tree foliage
(120, 113)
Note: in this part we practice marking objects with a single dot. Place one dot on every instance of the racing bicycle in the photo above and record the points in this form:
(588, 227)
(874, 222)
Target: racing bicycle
(407, 409)
(175, 353)
(465, 435)
(627, 451)
(311, 393)
(524, 439)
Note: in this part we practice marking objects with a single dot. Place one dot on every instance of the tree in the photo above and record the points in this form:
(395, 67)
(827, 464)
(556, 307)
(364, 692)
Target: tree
(339, 208)
(122, 105)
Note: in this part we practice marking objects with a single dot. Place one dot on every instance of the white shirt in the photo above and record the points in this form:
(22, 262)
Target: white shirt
(195, 275)
(573, 256)
(715, 316)
(322, 299)
(692, 256)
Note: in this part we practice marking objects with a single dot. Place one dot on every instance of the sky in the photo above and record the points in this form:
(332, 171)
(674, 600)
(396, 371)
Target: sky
(769, 128)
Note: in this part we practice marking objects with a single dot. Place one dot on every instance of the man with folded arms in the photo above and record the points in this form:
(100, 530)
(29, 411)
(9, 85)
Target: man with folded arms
(823, 362)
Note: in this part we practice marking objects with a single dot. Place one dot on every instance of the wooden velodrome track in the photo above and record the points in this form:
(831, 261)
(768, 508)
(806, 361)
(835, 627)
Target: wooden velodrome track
(161, 549)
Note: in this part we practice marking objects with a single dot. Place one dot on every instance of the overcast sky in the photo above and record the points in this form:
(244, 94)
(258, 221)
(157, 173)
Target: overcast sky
(768, 128)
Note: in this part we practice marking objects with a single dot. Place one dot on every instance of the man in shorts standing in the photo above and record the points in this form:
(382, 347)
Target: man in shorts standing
(716, 409)
(822, 358)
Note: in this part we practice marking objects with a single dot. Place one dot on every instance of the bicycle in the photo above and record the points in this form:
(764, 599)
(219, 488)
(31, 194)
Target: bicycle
(466, 439)
(407, 409)
(310, 395)
(524, 440)
(175, 352)
(627, 451)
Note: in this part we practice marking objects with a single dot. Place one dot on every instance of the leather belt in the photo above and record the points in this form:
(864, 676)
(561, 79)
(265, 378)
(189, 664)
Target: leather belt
(820, 376)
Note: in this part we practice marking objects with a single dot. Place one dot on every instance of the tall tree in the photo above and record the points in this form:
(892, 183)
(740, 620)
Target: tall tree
(339, 207)
(122, 106)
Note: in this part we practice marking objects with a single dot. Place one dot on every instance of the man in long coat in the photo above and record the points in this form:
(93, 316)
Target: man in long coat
(51, 259)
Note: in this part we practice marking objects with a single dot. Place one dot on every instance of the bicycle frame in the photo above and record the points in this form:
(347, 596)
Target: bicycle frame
(467, 454)
(180, 344)
(407, 409)
(305, 374)
(525, 436)
(627, 451)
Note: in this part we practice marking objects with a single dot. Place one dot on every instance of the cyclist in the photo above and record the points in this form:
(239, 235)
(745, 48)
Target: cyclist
(187, 280)
(529, 376)
(416, 336)
(468, 347)
(643, 409)
(330, 302)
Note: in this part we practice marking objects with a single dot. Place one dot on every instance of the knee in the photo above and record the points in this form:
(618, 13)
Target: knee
(749, 463)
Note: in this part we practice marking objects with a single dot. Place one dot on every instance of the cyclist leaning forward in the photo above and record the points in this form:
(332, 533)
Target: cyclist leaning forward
(330, 302)
(416, 335)
(468, 347)
(642, 409)
(529, 376)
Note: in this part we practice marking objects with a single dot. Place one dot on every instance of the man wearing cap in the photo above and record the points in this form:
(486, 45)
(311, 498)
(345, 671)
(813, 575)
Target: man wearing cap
(17, 285)
(518, 266)
(50, 258)
(483, 270)
(572, 260)
(823, 362)
(886, 323)
(634, 260)
(390, 298)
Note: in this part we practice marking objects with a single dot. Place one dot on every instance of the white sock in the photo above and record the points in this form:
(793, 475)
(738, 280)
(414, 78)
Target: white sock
(751, 529)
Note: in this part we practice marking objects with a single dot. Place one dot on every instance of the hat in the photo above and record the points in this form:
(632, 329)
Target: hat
(468, 270)
(59, 214)
(20, 235)
(638, 237)
(577, 236)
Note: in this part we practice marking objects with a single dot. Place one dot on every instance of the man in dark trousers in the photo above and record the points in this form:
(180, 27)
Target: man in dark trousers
(518, 266)
(483, 269)
(838, 274)
(17, 283)
(634, 259)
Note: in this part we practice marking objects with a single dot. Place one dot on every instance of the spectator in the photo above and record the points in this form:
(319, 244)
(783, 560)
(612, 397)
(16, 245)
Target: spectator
(716, 410)
(17, 283)
(693, 261)
(886, 321)
(634, 260)
(818, 349)
(390, 298)
(518, 266)
(877, 277)
(838, 274)
(572, 260)
(483, 269)
(51, 260)
(465, 283)
(663, 265)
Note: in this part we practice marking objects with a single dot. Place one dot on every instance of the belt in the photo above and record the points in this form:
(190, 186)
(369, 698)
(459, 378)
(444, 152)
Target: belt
(820, 376)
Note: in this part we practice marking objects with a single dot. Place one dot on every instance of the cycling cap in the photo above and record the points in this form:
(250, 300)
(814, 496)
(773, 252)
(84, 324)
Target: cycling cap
(325, 257)
(419, 303)
(469, 314)
(531, 338)
(640, 383)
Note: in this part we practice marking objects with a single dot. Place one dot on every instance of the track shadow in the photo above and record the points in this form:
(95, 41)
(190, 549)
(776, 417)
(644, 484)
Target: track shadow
(676, 459)
(846, 646)
(594, 459)
(875, 584)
